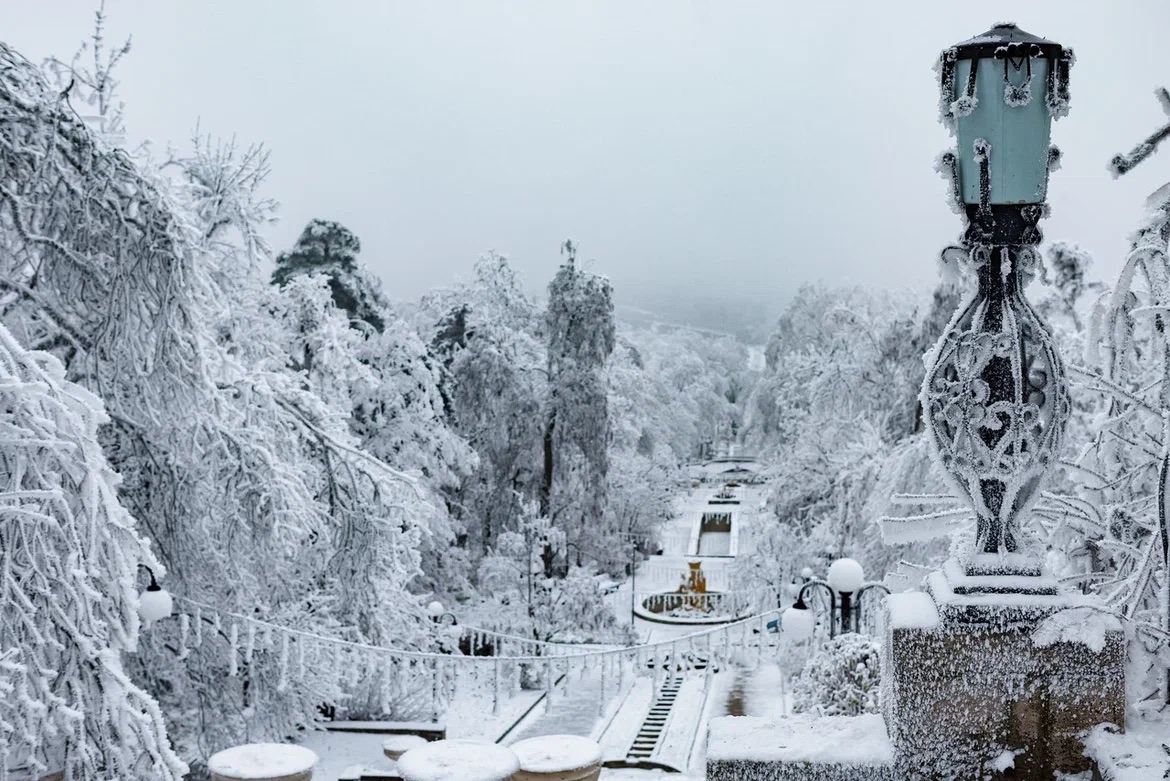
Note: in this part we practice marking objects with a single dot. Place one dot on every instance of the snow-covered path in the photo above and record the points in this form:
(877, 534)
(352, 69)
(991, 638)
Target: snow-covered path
(682, 742)
(571, 710)
(618, 718)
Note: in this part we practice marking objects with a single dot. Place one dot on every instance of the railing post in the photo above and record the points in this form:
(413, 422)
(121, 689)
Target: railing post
(601, 696)
(496, 688)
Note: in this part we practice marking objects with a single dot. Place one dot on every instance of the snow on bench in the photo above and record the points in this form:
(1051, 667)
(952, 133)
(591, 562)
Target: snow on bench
(458, 760)
(263, 761)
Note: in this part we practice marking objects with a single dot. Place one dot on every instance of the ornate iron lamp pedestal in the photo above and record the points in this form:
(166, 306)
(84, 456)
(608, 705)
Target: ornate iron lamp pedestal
(995, 396)
(963, 673)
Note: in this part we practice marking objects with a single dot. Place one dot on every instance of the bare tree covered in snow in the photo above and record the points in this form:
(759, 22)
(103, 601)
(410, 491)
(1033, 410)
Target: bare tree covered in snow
(834, 415)
(69, 554)
(1113, 525)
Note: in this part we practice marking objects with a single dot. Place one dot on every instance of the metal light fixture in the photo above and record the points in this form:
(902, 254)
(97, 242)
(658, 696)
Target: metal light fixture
(845, 584)
(440, 614)
(846, 575)
(155, 603)
(995, 396)
(798, 621)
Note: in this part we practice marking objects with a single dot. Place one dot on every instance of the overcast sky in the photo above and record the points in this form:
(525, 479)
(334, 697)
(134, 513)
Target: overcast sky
(724, 148)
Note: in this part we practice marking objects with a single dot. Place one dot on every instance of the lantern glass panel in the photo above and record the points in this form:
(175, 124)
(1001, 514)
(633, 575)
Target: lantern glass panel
(1018, 135)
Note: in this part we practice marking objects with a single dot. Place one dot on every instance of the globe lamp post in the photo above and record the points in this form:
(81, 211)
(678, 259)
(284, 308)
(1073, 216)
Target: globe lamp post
(845, 585)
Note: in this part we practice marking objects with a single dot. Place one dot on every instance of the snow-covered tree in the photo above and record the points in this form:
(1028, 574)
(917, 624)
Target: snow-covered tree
(835, 416)
(70, 554)
(486, 338)
(522, 599)
(329, 248)
(580, 330)
(678, 386)
(1112, 522)
(148, 286)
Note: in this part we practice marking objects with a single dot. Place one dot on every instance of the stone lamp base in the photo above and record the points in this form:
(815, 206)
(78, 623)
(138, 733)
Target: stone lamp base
(997, 679)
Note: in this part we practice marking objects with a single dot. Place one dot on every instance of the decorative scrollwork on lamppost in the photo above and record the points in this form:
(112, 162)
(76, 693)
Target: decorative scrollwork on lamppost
(995, 396)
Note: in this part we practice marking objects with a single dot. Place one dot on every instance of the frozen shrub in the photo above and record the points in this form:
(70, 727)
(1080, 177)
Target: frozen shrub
(840, 679)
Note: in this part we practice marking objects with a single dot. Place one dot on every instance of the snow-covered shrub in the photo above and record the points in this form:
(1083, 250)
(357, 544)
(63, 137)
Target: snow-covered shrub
(841, 679)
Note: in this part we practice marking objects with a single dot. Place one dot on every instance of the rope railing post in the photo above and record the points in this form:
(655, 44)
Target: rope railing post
(435, 691)
(601, 696)
(496, 688)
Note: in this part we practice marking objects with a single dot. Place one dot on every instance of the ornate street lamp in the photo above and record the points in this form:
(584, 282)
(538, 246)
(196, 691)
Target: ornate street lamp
(846, 584)
(995, 397)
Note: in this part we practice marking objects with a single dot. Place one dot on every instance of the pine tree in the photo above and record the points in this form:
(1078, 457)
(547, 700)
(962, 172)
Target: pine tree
(329, 248)
(581, 336)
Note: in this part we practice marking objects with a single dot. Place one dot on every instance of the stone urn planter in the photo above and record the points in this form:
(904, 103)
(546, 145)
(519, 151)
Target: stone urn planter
(558, 758)
(458, 760)
(397, 745)
(263, 762)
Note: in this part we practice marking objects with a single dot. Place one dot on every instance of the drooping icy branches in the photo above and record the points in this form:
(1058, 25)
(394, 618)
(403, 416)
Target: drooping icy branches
(69, 552)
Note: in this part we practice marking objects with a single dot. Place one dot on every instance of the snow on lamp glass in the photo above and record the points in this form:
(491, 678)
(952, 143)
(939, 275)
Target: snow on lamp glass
(797, 623)
(995, 395)
(846, 576)
(435, 609)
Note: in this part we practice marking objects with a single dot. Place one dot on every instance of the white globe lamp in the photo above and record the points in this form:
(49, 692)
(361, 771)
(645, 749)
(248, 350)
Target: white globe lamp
(155, 603)
(846, 576)
(435, 609)
(798, 623)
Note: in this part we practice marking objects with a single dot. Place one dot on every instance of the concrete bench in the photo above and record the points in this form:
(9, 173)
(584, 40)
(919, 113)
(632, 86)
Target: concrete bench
(263, 762)
(558, 758)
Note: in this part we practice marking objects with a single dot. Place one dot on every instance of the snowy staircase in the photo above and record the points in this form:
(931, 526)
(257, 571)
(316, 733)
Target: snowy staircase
(654, 724)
